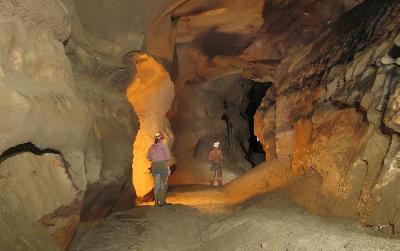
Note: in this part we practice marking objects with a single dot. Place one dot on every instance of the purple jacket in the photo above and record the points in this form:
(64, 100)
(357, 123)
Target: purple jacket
(158, 153)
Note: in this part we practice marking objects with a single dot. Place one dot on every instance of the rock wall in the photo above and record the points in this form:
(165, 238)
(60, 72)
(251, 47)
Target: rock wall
(332, 111)
(212, 49)
(67, 128)
(66, 131)
(334, 117)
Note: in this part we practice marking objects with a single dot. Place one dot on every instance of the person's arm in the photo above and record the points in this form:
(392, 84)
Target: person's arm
(210, 155)
(167, 155)
(167, 152)
(149, 157)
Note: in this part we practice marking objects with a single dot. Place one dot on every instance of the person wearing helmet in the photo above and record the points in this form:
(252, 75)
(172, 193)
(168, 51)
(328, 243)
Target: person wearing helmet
(159, 155)
(216, 156)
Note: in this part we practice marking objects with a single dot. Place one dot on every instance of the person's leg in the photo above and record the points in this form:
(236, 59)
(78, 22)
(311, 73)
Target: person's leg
(164, 185)
(213, 172)
(219, 174)
(157, 188)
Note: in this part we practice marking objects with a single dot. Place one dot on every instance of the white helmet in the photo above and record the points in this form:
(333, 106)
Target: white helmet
(216, 144)
(158, 135)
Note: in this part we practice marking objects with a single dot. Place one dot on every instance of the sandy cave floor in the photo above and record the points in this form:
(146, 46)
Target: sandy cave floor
(198, 219)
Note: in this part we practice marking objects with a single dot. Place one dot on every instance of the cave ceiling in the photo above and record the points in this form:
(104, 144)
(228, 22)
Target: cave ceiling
(257, 39)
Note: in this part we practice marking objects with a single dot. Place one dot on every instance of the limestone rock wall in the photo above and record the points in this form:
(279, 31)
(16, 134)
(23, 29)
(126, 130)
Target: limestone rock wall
(335, 117)
(66, 132)
(332, 111)
(208, 46)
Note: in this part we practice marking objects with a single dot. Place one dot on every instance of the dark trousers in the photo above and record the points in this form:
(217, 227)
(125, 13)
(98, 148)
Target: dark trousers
(216, 170)
(159, 170)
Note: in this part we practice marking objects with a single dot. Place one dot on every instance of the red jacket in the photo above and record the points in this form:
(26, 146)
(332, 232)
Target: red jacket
(215, 155)
(158, 152)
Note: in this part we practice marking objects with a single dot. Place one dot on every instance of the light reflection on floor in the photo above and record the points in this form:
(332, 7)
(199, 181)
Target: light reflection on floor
(204, 198)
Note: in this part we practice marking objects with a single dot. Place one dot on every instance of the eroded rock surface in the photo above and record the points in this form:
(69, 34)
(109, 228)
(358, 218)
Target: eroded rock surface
(51, 105)
(216, 48)
(151, 94)
(332, 110)
(328, 124)
(336, 117)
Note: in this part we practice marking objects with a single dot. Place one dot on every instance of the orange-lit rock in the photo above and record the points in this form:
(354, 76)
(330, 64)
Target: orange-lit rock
(151, 94)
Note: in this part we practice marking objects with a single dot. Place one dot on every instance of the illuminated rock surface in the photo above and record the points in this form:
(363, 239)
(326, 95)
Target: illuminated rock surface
(303, 95)
(151, 94)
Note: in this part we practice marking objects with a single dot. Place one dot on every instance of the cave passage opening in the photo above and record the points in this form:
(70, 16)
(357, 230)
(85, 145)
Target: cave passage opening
(219, 109)
(150, 93)
(255, 153)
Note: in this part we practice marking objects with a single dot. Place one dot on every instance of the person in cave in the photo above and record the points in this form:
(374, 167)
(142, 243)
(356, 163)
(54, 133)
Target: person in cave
(159, 155)
(216, 156)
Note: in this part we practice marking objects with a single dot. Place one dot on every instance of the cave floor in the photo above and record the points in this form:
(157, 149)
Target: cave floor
(198, 219)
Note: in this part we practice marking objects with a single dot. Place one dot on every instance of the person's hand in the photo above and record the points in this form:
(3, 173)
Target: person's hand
(169, 171)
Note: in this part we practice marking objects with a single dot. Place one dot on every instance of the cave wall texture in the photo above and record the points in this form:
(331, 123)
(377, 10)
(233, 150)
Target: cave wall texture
(330, 114)
(66, 130)
(335, 116)
(214, 50)
(329, 124)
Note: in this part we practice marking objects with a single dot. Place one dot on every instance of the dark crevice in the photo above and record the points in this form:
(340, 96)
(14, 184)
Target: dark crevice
(32, 148)
(66, 42)
(229, 127)
(394, 52)
(23, 148)
(255, 154)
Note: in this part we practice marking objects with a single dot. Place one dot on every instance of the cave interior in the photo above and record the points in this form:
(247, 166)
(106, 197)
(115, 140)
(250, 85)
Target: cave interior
(303, 96)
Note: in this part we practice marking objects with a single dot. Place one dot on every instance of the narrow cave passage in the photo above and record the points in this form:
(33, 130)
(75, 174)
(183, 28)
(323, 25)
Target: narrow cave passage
(223, 110)
(151, 94)
(255, 154)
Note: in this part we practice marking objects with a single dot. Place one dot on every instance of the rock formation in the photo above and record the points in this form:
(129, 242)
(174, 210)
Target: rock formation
(334, 115)
(66, 131)
(151, 94)
(72, 78)
(331, 111)
(216, 50)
